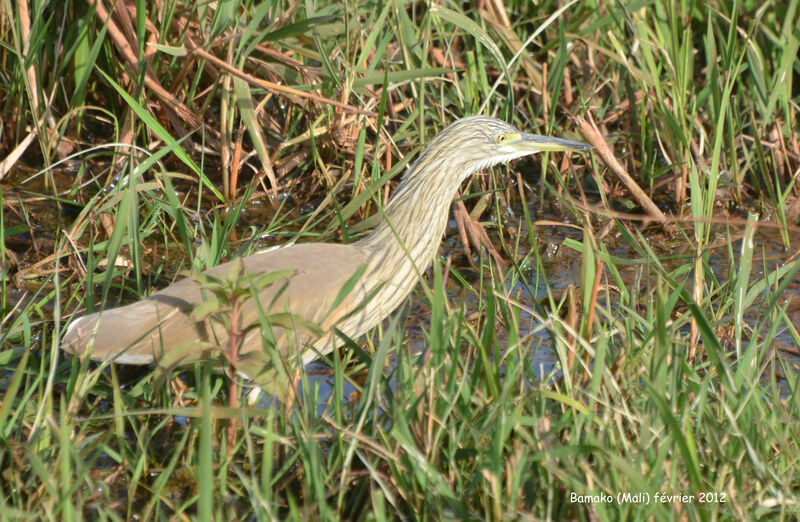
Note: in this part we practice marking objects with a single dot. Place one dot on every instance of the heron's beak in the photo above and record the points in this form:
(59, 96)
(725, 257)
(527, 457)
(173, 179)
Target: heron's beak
(536, 143)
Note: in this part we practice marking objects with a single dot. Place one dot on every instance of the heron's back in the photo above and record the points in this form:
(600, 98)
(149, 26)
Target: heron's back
(144, 331)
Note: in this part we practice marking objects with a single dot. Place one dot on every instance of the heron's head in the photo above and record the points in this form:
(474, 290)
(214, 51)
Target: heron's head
(477, 142)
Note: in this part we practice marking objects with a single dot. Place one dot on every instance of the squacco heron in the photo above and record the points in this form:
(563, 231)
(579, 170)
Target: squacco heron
(395, 253)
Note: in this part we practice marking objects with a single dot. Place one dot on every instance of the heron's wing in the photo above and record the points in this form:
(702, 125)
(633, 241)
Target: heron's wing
(146, 330)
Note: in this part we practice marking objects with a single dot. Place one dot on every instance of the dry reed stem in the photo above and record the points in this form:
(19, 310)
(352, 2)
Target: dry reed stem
(592, 134)
(170, 103)
(474, 231)
(274, 86)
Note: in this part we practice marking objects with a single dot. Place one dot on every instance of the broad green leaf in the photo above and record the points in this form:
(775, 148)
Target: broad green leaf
(269, 279)
(291, 321)
(206, 308)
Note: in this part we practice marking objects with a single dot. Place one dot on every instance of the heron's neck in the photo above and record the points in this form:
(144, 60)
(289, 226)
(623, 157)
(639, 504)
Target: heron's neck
(402, 246)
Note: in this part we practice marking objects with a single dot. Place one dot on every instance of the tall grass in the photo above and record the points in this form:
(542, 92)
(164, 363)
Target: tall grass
(225, 127)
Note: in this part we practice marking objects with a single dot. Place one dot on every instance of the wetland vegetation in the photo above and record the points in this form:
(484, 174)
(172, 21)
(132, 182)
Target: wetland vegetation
(578, 347)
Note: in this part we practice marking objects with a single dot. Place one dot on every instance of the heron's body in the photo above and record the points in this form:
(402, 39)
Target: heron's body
(400, 248)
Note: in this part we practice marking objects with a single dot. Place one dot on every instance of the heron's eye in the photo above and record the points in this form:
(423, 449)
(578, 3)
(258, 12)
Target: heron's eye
(501, 139)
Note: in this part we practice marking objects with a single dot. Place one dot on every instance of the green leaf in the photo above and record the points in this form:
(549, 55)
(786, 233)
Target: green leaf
(476, 31)
(291, 321)
(162, 133)
(237, 267)
(178, 52)
(244, 100)
(264, 373)
(182, 354)
(378, 77)
(298, 28)
(348, 286)
(266, 280)
(350, 344)
(207, 282)
(208, 307)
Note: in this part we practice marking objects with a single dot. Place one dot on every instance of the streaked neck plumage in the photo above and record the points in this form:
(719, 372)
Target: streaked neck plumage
(415, 218)
(414, 221)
